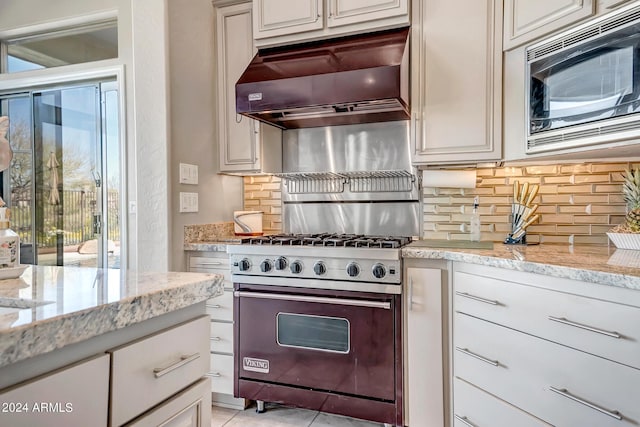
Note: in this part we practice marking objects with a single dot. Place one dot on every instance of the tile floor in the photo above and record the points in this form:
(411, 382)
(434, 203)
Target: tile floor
(280, 416)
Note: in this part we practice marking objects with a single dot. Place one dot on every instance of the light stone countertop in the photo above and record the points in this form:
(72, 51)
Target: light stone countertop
(86, 302)
(596, 264)
(215, 246)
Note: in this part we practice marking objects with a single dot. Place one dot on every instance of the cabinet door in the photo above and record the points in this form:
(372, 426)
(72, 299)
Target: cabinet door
(281, 17)
(74, 396)
(424, 373)
(456, 81)
(345, 12)
(526, 20)
(189, 408)
(238, 136)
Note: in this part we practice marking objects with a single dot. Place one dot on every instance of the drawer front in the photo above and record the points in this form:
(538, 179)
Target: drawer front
(218, 265)
(190, 407)
(148, 371)
(598, 327)
(81, 392)
(221, 307)
(524, 371)
(221, 340)
(221, 374)
(475, 407)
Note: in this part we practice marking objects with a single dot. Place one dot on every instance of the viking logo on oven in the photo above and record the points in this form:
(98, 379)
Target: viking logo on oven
(255, 365)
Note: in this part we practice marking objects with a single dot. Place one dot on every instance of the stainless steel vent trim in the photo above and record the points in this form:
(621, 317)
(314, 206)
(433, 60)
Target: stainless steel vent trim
(582, 137)
(593, 29)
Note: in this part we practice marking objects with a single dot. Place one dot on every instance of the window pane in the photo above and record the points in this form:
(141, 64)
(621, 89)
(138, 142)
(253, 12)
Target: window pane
(75, 46)
(313, 332)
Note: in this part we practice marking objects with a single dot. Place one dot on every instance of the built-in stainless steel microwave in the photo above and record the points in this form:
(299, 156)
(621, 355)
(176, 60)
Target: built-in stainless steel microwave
(584, 84)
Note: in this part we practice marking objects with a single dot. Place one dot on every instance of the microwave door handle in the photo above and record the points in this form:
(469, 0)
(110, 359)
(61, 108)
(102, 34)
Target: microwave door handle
(311, 299)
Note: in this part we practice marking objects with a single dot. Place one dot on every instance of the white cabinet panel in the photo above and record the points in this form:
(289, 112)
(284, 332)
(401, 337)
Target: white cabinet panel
(345, 12)
(484, 410)
(280, 17)
(189, 408)
(221, 337)
(424, 373)
(77, 396)
(456, 81)
(524, 370)
(527, 20)
(148, 371)
(598, 327)
(221, 373)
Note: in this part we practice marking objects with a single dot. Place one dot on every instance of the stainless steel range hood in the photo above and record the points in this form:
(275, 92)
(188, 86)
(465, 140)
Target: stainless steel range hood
(350, 80)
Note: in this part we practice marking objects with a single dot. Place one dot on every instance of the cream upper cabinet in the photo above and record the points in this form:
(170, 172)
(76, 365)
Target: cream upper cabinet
(280, 17)
(281, 22)
(241, 140)
(527, 20)
(346, 12)
(456, 81)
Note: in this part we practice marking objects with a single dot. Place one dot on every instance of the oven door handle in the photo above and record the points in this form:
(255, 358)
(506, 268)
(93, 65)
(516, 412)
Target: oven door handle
(321, 300)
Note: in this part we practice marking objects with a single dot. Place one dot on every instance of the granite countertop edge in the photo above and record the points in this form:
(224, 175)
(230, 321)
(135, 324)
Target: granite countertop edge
(42, 336)
(582, 267)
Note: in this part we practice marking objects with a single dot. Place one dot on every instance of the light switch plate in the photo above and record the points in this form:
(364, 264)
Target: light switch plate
(188, 173)
(188, 202)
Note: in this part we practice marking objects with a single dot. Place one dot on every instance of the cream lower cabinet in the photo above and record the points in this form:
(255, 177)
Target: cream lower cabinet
(456, 81)
(543, 351)
(77, 395)
(189, 408)
(245, 144)
(221, 329)
(424, 290)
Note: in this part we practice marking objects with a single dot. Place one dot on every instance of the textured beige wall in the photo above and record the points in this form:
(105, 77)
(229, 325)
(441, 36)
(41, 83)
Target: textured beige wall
(578, 203)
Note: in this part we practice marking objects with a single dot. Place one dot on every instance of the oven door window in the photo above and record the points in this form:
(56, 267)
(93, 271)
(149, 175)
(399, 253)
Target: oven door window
(320, 333)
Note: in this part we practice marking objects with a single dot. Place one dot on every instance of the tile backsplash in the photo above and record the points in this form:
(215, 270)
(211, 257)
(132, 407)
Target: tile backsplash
(262, 193)
(578, 203)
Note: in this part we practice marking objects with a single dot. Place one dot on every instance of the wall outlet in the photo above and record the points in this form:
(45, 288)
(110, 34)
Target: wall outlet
(188, 202)
(188, 174)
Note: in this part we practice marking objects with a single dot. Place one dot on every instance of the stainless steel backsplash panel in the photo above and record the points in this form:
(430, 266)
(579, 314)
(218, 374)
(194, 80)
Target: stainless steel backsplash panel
(378, 219)
(373, 146)
(352, 148)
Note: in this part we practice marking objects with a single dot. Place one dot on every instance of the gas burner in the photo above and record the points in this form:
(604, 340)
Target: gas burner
(330, 240)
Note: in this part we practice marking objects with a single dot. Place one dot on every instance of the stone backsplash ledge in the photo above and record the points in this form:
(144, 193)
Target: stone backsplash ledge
(578, 203)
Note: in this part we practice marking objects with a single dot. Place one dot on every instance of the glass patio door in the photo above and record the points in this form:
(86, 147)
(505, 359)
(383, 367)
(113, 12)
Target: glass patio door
(62, 206)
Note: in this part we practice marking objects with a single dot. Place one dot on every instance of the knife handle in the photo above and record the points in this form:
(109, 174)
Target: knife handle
(532, 194)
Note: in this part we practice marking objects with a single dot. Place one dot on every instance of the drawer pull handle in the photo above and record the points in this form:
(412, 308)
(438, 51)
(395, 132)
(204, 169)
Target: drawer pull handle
(464, 420)
(216, 339)
(477, 356)
(159, 372)
(213, 375)
(565, 393)
(588, 328)
(213, 305)
(475, 298)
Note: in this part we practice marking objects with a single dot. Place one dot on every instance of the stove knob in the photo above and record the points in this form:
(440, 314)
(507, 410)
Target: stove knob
(379, 271)
(266, 266)
(244, 265)
(320, 268)
(281, 263)
(296, 267)
(353, 269)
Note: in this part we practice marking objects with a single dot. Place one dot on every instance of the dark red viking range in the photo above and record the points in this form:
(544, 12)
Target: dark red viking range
(318, 323)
